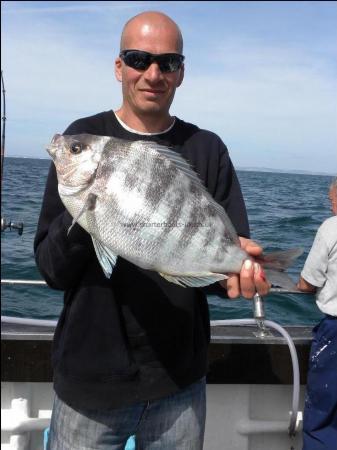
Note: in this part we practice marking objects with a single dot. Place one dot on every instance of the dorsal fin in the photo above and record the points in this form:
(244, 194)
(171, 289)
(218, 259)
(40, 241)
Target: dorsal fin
(172, 155)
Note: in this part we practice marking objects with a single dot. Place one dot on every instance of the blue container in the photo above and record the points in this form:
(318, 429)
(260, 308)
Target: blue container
(131, 444)
(45, 438)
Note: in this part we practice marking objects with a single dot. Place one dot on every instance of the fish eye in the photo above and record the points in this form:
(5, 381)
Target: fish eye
(76, 148)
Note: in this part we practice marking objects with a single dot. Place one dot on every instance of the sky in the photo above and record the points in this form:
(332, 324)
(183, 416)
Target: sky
(260, 74)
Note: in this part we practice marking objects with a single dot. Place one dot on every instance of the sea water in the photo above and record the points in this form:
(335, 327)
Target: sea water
(284, 212)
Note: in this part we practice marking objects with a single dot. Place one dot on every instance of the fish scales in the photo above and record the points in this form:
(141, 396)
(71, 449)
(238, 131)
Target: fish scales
(142, 201)
(142, 205)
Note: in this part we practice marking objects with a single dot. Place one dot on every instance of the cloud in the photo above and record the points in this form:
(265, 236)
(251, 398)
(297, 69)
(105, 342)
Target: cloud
(272, 101)
(273, 107)
(60, 7)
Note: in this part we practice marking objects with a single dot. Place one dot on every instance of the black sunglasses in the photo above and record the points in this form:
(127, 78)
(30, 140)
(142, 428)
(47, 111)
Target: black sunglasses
(139, 60)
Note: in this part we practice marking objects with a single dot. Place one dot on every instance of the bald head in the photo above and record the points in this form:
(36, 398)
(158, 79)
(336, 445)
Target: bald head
(155, 26)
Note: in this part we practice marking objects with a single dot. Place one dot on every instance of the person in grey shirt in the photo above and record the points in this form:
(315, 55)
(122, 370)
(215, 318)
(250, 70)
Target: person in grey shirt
(319, 275)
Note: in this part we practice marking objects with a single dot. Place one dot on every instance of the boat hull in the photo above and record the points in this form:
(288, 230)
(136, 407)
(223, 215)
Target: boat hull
(249, 387)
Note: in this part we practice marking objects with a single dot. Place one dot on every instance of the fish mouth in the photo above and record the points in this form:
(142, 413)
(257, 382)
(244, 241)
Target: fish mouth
(54, 145)
(52, 150)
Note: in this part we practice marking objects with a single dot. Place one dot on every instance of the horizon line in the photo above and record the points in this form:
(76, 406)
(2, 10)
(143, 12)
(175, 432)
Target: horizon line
(237, 168)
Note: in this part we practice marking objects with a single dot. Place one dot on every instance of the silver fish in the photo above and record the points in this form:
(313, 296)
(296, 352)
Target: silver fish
(143, 202)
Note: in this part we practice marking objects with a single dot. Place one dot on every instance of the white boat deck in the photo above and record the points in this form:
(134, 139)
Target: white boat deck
(249, 388)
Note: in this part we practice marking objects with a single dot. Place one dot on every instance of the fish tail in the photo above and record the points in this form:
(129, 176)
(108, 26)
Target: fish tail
(280, 260)
(276, 263)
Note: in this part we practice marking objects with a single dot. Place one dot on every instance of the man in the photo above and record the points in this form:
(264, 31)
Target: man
(130, 353)
(319, 276)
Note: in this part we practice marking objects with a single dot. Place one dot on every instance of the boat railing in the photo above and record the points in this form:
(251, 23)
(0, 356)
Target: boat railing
(263, 331)
(28, 282)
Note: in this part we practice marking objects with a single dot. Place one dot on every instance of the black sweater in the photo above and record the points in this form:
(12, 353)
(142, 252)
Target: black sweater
(133, 337)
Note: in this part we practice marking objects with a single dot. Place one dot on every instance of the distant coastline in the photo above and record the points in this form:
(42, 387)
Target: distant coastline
(26, 157)
(238, 168)
(289, 171)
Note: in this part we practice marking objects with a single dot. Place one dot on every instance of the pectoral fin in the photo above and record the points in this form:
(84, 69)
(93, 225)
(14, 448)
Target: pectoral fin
(106, 257)
(89, 205)
(195, 279)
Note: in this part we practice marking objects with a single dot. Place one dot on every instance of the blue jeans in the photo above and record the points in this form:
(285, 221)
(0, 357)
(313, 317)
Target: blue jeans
(176, 422)
(320, 412)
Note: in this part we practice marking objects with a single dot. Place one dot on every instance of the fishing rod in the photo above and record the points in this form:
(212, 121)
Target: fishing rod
(3, 118)
(4, 224)
(278, 290)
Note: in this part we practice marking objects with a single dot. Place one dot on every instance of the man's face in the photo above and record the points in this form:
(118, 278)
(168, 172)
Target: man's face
(150, 91)
(333, 199)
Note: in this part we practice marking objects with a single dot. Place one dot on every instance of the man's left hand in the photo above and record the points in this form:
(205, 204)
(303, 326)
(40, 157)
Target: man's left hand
(251, 279)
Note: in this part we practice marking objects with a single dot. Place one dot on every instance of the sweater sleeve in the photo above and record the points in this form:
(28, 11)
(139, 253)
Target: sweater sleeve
(228, 192)
(60, 258)
(225, 189)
